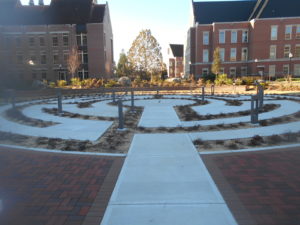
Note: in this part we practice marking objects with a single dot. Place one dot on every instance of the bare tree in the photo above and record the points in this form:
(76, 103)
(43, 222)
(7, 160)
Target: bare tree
(73, 61)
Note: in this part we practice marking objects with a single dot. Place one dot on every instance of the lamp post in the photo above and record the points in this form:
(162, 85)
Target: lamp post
(255, 60)
(59, 71)
(290, 66)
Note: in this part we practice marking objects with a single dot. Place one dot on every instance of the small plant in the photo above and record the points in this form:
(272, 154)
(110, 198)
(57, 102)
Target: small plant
(52, 84)
(222, 79)
(274, 139)
(111, 83)
(61, 83)
(231, 145)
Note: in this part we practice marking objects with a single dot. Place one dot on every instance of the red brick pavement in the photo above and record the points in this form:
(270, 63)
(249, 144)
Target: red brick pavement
(54, 189)
(260, 188)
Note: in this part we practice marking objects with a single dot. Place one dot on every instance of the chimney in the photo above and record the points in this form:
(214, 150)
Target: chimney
(31, 2)
(41, 2)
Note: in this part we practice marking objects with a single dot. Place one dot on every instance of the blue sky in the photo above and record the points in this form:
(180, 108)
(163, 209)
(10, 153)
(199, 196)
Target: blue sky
(167, 19)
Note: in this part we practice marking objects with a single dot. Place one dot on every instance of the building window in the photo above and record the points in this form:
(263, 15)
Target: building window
(272, 71)
(65, 39)
(245, 36)
(222, 54)
(298, 32)
(222, 70)
(206, 38)
(83, 74)
(66, 56)
(81, 39)
(274, 30)
(31, 41)
(55, 58)
(244, 54)
(286, 69)
(233, 54)
(44, 75)
(288, 32)
(43, 58)
(222, 36)
(42, 41)
(297, 51)
(83, 55)
(19, 58)
(232, 72)
(287, 50)
(273, 52)
(18, 42)
(205, 71)
(205, 55)
(233, 36)
(297, 70)
(244, 71)
(54, 41)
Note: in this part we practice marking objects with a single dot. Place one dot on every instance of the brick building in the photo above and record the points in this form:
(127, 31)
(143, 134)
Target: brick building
(254, 37)
(35, 40)
(175, 64)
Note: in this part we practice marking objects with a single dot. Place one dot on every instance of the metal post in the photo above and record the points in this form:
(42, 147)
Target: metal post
(59, 101)
(254, 109)
(121, 118)
(212, 89)
(132, 101)
(203, 93)
(114, 97)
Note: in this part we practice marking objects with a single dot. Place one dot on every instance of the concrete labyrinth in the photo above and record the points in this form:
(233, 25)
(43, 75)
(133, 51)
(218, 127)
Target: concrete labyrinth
(164, 180)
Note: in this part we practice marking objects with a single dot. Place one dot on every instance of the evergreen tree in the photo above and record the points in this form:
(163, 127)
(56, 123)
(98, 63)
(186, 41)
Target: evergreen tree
(215, 68)
(123, 67)
(145, 55)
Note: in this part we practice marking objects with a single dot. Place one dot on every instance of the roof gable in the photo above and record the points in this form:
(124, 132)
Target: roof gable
(177, 50)
(280, 8)
(58, 12)
(207, 12)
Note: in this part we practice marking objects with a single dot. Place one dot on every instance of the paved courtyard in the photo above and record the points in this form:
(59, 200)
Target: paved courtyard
(164, 179)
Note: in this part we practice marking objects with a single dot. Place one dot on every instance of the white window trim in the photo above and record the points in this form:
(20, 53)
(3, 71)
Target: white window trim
(204, 40)
(274, 38)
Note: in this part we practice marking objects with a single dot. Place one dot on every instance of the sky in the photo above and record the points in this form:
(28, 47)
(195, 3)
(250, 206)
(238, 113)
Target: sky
(167, 19)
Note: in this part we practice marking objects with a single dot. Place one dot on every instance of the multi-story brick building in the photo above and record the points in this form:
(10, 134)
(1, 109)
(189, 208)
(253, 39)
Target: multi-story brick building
(175, 64)
(254, 37)
(36, 40)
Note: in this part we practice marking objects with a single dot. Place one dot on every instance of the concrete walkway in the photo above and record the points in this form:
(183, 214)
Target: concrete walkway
(164, 182)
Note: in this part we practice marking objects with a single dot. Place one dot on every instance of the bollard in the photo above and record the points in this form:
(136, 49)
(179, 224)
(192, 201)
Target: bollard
(121, 119)
(132, 101)
(114, 97)
(12, 96)
(59, 101)
(261, 96)
(203, 93)
(212, 89)
(254, 109)
(157, 92)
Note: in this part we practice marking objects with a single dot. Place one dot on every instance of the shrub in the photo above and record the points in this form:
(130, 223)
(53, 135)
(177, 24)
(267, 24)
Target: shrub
(52, 84)
(61, 83)
(222, 79)
(111, 83)
(238, 81)
(75, 82)
(209, 77)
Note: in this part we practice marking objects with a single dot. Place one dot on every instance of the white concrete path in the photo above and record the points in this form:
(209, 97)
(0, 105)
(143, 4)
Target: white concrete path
(165, 182)
(66, 129)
